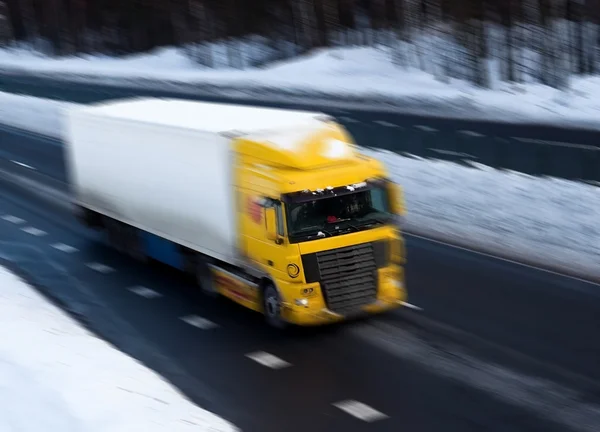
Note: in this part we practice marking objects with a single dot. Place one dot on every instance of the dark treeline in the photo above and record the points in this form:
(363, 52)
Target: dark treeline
(539, 40)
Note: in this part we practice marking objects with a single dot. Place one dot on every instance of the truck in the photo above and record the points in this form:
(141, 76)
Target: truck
(278, 210)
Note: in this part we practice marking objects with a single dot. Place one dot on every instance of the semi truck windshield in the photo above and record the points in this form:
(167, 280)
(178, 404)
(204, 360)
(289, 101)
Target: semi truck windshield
(335, 215)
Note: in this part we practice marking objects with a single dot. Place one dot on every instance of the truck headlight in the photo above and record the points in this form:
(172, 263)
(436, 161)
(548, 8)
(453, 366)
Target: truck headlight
(301, 302)
(397, 284)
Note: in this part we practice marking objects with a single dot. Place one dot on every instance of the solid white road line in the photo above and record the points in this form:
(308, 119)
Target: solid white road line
(360, 410)
(34, 231)
(145, 292)
(502, 259)
(412, 306)
(64, 248)
(268, 360)
(199, 322)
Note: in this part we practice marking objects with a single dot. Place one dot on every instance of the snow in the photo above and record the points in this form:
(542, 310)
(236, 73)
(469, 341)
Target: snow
(545, 221)
(350, 77)
(337, 149)
(56, 376)
(289, 139)
(36, 115)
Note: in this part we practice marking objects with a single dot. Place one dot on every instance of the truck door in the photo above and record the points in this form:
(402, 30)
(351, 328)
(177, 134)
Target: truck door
(275, 251)
(258, 247)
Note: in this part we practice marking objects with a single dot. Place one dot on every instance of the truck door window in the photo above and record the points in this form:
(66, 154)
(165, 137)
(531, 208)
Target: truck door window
(379, 199)
(279, 210)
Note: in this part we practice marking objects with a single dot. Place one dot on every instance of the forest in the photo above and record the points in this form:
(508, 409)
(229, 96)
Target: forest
(545, 41)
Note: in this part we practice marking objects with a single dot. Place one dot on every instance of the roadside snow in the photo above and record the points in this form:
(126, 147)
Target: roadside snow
(36, 115)
(539, 220)
(56, 376)
(548, 221)
(364, 76)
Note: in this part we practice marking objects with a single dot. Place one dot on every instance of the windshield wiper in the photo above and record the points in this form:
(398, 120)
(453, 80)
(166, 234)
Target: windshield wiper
(375, 218)
(348, 223)
(315, 231)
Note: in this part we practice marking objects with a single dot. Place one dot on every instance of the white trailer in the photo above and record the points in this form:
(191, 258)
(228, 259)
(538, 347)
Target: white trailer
(163, 179)
(165, 166)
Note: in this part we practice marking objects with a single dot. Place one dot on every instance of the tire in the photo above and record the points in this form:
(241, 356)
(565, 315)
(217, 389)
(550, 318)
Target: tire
(135, 248)
(125, 239)
(114, 231)
(205, 279)
(87, 217)
(272, 307)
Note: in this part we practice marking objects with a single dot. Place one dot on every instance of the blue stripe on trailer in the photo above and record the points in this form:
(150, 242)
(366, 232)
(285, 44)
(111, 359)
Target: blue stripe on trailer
(162, 250)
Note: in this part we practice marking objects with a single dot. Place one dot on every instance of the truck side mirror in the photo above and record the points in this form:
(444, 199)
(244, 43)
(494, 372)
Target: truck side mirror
(271, 223)
(396, 195)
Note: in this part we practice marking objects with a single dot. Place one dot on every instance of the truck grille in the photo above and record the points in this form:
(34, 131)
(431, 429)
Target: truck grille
(348, 277)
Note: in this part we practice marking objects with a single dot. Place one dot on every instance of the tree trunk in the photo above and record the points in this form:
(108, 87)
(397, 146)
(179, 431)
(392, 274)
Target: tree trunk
(16, 20)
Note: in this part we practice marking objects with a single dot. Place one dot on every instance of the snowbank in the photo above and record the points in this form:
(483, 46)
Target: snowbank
(346, 76)
(545, 221)
(548, 222)
(56, 376)
(36, 115)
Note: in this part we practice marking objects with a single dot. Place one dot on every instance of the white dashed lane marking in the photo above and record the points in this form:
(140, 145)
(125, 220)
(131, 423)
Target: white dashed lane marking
(199, 322)
(385, 123)
(64, 248)
(101, 268)
(13, 219)
(24, 165)
(268, 360)
(145, 292)
(426, 128)
(34, 231)
(360, 410)
(471, 133)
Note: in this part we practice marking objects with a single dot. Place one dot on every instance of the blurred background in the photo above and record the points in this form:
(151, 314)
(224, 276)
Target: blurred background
(541, 41)
(484, 112)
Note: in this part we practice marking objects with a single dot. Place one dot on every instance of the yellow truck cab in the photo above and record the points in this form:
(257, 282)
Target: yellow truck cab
(318, 218)
(275, 209)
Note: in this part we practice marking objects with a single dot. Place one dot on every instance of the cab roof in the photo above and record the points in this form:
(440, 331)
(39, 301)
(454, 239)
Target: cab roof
(305, 147)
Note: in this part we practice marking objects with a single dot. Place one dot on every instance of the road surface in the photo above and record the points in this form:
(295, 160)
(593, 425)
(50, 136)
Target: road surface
(489, 333)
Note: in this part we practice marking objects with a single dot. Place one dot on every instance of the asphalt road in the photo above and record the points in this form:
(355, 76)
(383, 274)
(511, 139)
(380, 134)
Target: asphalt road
(326, 366)
(486, 323)
(530, 148)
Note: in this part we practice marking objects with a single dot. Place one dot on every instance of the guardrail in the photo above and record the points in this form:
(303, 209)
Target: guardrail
(533, 156)
(534, 149)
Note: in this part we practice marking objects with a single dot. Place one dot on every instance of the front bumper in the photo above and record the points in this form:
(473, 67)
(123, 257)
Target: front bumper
(311, 310)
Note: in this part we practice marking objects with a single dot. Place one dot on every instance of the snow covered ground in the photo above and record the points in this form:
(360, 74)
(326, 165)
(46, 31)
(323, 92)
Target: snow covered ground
(30, 113)
(347, 76)
(56, 376)
(546, 221)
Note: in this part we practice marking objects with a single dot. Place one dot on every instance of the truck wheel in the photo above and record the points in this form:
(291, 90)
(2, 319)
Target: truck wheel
(135, 245)
(87, 217)
(272, 307)
(204, 278)
(115, 235)
(126, 239)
